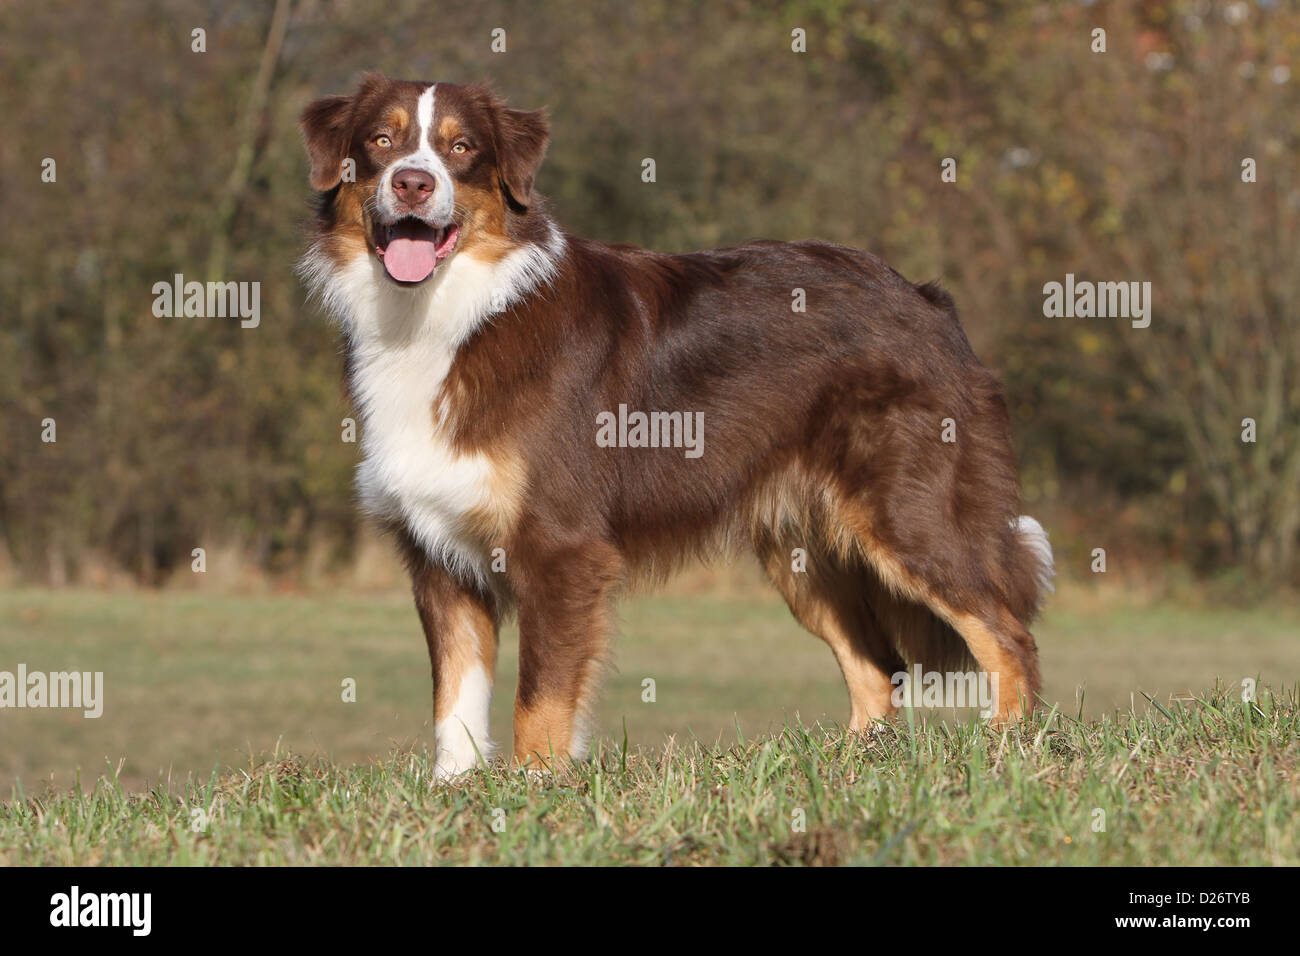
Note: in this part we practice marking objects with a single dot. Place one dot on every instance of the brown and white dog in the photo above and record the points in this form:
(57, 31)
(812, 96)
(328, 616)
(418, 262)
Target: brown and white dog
(490, 354)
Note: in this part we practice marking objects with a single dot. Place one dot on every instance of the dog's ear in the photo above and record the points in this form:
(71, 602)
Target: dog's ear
(327, 130)
(521, 137)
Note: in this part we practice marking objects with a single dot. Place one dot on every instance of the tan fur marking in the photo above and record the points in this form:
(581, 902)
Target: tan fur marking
(349, 238)
(449, 128)
(995, 658)
(509, 476)
(541, 730)
(855, 538)
(819, 603)
(870, 689)
(782, 504)
(483, 231)
(471, 640)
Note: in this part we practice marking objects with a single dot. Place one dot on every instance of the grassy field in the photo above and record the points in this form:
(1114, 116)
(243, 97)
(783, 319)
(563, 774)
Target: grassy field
(225, 739)
(1205, 782)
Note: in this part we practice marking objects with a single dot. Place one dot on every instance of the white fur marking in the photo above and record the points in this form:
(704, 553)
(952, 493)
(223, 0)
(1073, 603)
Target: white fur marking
(424, 115)
(580, 739)
(1036, 540)
(457, 735)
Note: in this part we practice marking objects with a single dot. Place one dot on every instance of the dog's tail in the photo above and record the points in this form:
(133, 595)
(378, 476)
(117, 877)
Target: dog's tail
(1036, 558)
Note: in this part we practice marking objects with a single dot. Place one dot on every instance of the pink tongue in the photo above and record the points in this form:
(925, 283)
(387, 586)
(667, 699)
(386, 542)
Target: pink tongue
(410, 260)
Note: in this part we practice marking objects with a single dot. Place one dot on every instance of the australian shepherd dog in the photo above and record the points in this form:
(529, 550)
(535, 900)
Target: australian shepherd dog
(545, 418)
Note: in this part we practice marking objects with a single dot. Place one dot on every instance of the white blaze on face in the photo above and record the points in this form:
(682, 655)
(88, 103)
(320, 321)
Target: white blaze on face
(424, 116)
(465, 728)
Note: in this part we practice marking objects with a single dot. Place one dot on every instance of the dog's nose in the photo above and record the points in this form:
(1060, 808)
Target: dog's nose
(412, 186)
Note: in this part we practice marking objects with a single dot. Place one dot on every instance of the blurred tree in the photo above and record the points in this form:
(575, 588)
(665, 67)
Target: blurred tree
(1116, 166)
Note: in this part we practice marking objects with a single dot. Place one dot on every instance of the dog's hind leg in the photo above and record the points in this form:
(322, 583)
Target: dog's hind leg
(825, 595)
(935, 514)
(972, 605)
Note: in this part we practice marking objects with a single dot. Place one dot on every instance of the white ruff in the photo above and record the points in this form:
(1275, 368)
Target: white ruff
(403, 342)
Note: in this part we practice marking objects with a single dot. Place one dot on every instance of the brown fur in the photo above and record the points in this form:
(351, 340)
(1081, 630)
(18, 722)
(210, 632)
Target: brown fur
(823, 432)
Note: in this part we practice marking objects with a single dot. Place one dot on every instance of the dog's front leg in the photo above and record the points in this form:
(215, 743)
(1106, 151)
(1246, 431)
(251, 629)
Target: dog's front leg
(460, 627)
(564, 625)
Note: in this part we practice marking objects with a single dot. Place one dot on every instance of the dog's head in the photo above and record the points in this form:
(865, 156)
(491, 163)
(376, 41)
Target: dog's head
(415, 172)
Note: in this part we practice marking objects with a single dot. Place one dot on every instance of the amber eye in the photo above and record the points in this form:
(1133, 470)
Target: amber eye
(461, 147)
(383, 142)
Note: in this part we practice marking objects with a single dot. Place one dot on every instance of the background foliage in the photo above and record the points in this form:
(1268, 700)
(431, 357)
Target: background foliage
(176, 433)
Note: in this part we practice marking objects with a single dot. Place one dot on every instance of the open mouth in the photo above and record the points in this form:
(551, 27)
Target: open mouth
(411, 249)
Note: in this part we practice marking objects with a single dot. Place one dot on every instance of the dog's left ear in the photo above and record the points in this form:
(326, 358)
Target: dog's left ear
(521, 137)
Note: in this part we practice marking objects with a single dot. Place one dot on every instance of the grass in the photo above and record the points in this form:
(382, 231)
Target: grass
(741, 735)
(1211, 781)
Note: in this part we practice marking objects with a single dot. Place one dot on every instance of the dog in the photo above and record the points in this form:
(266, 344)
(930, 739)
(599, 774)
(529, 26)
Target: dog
(545, 419)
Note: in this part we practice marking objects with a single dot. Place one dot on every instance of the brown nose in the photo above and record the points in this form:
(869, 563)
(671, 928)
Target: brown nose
(412, 186)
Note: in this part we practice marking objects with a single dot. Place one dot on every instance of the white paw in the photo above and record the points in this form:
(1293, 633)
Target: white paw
(458, 753)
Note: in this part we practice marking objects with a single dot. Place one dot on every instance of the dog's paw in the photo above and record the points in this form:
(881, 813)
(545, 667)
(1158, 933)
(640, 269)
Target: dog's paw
(452, 762)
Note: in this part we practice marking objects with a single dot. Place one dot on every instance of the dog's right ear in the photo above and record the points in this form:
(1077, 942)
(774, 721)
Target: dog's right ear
(327, 128)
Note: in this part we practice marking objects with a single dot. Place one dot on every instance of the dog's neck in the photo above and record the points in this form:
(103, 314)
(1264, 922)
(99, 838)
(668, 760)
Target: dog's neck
(464, 292)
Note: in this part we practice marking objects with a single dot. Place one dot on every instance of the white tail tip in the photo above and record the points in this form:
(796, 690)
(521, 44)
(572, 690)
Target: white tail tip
(1036, 539)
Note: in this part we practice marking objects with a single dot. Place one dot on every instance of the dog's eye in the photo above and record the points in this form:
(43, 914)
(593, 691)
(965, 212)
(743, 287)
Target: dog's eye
(461, 147)
(383, 142)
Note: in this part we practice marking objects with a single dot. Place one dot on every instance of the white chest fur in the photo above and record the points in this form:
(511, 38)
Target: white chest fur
(403, 343)
(409, 470)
